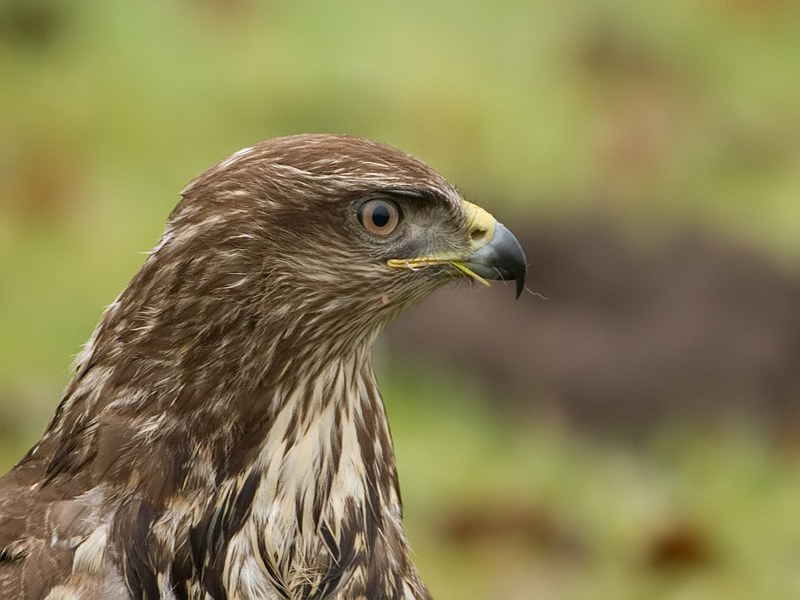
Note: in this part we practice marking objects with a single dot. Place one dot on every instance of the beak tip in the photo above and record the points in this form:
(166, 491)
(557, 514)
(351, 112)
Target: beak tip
(502, 258)
(519, 276)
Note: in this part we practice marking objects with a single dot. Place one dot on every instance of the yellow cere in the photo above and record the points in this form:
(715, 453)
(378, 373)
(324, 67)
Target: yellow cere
(480, 224)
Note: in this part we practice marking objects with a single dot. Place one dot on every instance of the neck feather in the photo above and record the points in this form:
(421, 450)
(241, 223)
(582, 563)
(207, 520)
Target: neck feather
(271, 468)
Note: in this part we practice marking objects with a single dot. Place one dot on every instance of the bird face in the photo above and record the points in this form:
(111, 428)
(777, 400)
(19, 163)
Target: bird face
(350, 228)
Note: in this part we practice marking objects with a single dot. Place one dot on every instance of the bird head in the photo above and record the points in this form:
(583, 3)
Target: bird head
(345, 231)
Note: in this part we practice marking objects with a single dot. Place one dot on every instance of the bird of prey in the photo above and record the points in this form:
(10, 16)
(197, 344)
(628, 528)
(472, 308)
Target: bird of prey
(223, 436)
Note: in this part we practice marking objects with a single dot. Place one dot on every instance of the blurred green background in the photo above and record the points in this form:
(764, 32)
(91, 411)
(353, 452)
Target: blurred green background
(657, 115)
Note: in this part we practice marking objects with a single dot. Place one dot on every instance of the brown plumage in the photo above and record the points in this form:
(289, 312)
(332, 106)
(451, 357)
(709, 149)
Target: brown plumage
(223, 436)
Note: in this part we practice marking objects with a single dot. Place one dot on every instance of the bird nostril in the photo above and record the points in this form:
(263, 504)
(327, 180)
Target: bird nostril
(477, 234)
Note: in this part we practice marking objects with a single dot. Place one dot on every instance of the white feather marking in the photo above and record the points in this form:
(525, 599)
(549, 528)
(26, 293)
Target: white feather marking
(246, 573)
(89, 555)
(233, 158)
(165, 239)
(63, 592)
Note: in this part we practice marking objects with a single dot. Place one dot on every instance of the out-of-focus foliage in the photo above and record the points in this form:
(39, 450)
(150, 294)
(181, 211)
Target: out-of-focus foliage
(654, 113)
(497, 510)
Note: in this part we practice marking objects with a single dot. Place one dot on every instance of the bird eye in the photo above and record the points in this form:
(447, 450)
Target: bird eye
(379, 216)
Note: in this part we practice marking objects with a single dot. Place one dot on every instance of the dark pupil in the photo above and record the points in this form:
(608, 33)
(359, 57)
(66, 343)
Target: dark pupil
(381, 216)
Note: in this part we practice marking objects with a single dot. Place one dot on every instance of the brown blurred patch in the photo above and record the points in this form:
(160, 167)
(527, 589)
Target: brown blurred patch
(507, 522)
(750, 10)
(34, 23)
(788, 442)
(694, 329)
(46, 179)
(641, 108)
(682, 544)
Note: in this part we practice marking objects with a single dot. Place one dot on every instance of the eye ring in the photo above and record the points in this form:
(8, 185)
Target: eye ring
(379, 216)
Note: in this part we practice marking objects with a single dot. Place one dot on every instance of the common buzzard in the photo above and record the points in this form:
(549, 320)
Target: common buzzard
(223, 436)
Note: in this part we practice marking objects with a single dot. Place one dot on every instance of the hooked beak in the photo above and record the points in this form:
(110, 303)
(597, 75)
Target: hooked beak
(497, 253)
(501, 258)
